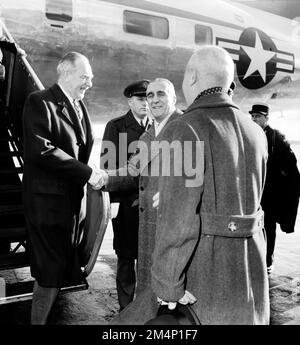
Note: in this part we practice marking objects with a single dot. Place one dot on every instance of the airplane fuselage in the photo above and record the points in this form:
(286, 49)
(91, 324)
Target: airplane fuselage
(128, 40)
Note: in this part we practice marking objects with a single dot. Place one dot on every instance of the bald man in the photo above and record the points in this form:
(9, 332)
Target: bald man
(209, 247)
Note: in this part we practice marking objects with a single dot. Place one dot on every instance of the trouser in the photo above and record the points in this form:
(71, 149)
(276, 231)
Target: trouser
(125, 280)
(42, 301)
(270, 229)
(4, 247)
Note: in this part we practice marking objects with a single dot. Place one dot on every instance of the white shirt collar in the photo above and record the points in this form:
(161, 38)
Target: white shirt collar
(66, 94)
(158, 126)
(144, 120)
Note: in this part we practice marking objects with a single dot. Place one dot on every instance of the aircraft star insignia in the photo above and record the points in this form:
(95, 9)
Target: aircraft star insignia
(259, 58)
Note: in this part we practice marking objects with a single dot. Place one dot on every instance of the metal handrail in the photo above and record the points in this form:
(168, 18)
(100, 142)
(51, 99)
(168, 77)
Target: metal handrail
(31, 71)
(22, 55)
(6, 32)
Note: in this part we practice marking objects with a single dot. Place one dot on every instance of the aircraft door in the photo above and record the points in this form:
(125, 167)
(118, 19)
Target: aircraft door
(97, 217)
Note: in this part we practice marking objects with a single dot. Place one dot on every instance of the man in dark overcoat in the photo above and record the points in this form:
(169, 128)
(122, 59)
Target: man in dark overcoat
(57, 144)
(123, 132)
(280, 198)
(209, 246)
(136, 173)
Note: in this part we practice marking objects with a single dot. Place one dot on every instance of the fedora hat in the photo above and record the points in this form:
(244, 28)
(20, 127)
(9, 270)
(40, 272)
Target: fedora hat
(260, 108)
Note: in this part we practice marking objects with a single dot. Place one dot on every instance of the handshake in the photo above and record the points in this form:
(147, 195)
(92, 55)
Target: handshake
(98, 178)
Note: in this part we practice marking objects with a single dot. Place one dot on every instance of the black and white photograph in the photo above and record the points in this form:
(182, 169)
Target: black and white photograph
(149, 166)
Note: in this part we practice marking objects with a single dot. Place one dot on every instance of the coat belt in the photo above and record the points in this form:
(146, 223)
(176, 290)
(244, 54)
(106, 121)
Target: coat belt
(232, 225)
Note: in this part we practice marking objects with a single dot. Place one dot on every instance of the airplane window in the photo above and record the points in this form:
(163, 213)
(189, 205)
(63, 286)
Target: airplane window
(203, 34)
(146, 25)
(59, 10)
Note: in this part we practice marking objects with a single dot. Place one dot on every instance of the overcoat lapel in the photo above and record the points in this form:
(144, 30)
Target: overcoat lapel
(67, 112)
(131, 122)
(89, 130)
(151, 133)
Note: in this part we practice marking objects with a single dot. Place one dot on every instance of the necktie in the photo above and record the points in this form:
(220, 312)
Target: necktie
(142, 125)
(77, 110)
(79, 114)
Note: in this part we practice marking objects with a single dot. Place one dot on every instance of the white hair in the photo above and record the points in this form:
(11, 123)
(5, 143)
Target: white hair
(67, 63)
(171, 87)
(213, 65)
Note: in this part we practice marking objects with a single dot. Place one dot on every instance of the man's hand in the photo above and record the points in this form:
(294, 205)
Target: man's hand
(98, 178)
(155, 200)
(187, 298)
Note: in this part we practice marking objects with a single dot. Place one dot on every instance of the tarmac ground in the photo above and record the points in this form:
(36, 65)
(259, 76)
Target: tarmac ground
(98, 304)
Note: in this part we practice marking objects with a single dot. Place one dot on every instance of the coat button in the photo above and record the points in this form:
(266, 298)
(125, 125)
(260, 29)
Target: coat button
(232, 226)
(142, 188)
(142, 209)
(260, 223)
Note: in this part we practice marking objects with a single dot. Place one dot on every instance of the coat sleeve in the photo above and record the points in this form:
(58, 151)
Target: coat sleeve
(109, 155)
(177, 227)
(286, 178)
(40, 144)
(125, 179)
(121, 180)
(287, 160)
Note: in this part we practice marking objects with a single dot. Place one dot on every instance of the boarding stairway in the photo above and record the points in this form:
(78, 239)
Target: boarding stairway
(19, 80)
(15, 86)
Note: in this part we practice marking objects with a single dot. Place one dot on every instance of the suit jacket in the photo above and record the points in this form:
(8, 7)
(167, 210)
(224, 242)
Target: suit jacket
(209, 238)
(125, 225)
(56, 152)
(281, 193)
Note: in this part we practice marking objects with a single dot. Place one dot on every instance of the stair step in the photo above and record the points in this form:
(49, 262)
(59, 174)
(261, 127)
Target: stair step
(11, 154)
(10, 171)
(13, 260)
(16, 233)
(7, 137)
(10, 188)
(11, 209)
